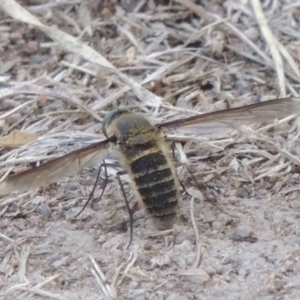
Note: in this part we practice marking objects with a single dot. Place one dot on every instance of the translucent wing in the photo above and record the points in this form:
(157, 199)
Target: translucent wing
(235, 117)
(56, 169)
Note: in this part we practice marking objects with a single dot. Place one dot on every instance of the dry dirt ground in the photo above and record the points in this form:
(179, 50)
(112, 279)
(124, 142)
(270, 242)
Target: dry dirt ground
(168, 58)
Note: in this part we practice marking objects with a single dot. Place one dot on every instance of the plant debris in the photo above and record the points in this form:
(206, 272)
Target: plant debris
(64, 64)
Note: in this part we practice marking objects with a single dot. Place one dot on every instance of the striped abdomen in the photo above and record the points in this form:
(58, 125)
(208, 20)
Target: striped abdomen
(155, 183)
(146, 159)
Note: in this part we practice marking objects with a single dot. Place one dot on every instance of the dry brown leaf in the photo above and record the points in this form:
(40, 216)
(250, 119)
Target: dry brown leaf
(17, 138)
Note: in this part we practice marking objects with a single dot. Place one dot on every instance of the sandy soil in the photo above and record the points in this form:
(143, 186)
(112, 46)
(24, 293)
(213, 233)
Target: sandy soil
(244, 244)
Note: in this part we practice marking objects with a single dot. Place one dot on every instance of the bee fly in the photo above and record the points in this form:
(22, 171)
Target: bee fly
(145, 158)
(144, 153)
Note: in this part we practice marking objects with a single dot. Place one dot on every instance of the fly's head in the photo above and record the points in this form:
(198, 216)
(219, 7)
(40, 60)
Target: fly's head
(110, 119)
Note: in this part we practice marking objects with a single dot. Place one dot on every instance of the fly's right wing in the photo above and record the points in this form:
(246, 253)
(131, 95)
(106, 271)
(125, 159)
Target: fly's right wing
(56, 169)
(233, 118)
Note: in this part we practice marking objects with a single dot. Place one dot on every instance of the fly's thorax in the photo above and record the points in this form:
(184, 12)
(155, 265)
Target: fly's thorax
(134, 133)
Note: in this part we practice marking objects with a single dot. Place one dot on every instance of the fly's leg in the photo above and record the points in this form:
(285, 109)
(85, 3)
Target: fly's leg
(119, 174)
(209, 192)
(180, 182)
(94, 187)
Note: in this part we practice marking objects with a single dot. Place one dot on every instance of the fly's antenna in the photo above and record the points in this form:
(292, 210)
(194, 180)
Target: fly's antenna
(94, 187)
(127, 206)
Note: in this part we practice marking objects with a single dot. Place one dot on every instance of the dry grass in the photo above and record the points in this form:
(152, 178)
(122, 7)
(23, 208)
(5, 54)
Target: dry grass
(64, 65)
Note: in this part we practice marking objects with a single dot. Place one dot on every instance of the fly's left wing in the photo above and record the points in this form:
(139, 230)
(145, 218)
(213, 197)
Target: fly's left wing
(235, 117)
(56, 169)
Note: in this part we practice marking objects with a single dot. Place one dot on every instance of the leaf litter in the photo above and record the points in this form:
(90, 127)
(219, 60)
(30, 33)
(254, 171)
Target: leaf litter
(65, 64)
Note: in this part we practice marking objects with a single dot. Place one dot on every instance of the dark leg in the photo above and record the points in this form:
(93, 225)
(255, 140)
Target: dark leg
(94, 187)
(127, 205)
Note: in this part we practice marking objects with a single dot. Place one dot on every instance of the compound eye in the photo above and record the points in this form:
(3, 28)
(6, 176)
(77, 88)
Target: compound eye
(109, 117)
